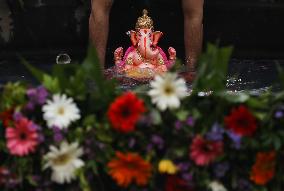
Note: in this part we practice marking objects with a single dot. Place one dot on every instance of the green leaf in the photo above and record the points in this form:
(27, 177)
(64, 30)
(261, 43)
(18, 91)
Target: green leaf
(92, 67)
(89, 120)
(51, 84)
(234, 97)
(182, 115)
(280, 74)
(83, 181)
(38, 74)
(260, 115)
(156, 117)
(93, 165)
(32, 181)
(212, 69)
(14, 94)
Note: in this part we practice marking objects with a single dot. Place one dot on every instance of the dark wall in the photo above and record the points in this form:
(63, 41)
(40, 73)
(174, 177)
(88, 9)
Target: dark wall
(253, 26)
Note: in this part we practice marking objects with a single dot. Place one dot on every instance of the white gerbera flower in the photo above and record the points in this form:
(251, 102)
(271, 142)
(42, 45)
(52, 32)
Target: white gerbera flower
(60, 111)
(167, 91)
(216, 186)
(64, 161)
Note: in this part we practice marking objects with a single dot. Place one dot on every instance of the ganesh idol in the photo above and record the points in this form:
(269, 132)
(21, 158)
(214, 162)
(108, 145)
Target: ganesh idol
(144, 59)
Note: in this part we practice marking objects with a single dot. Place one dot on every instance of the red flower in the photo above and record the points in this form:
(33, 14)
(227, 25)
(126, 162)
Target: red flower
(264, 168)
(203, 152)
(6, 117)
(125, 111)
(241, 121)
(174, 183)
(23, 138)
(129, 168)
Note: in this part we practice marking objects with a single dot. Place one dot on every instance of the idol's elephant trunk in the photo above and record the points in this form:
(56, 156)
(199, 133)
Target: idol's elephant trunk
(146, 49)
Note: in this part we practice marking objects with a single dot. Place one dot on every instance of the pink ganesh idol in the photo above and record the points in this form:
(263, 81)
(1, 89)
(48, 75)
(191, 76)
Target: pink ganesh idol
(144, 59)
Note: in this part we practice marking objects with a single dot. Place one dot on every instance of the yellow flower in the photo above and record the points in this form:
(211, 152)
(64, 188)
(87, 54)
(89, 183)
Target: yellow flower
(167, 166)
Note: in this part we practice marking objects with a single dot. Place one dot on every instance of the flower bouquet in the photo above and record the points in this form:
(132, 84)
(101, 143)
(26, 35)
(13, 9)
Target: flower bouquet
(78, 131)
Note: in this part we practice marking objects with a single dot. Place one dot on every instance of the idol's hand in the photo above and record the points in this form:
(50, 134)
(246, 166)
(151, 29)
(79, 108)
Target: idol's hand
(118, 53)
(172, 53)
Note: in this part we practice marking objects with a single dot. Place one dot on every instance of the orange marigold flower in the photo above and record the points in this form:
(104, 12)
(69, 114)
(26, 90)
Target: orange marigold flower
(128, 168)
(264, 168)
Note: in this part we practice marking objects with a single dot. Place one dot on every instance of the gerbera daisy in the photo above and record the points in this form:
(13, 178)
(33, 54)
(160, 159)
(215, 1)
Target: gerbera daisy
(64, 161)
(128, 168)
(23, 138)
(125, 111)
(203, 152)
(241, 121)
(167, 90)
(60, 111)
(264, 168)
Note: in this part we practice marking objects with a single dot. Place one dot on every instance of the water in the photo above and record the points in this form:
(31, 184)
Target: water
(256, 76)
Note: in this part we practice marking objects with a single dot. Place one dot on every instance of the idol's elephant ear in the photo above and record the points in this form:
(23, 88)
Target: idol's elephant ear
(133, 38)
(156, 37)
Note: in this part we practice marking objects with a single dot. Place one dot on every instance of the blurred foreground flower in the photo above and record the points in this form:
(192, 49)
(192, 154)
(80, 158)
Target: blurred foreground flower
(125, 112)
(203, 151)
(6, 117)
(167, 90)
(64, 161)
(128, 168)
(174, 183)
(60, 111)
(241, 121)
(168, 167)
(216, 186)
(264, 168)
(23, 138)
(37, 96)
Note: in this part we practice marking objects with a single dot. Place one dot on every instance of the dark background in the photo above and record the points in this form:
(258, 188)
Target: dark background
(43, 28)
(39, 30)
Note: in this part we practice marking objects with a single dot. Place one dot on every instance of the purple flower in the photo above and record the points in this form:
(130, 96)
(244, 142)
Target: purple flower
(216, 133)
(187, 177)
(178, 125)
(183, 166)
(131, 143)
(37, 96)
(279, 114)
(158, 141)
(145, 120)
(41, 138)
(17, 116)
(58, 135)
(190, 121)
(221, 169)
(101, 145)
(243, 185)
(149, 148)
(237, 139)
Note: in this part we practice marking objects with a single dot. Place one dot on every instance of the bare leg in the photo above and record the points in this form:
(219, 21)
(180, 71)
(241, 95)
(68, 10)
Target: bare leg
(193, 31)
(99, 26)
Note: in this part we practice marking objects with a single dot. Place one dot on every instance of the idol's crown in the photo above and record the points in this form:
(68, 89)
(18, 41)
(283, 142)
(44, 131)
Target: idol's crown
(144, 22)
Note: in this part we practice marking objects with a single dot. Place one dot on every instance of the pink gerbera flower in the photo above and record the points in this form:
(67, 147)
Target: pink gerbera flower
(203, 152)
(23, 138)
